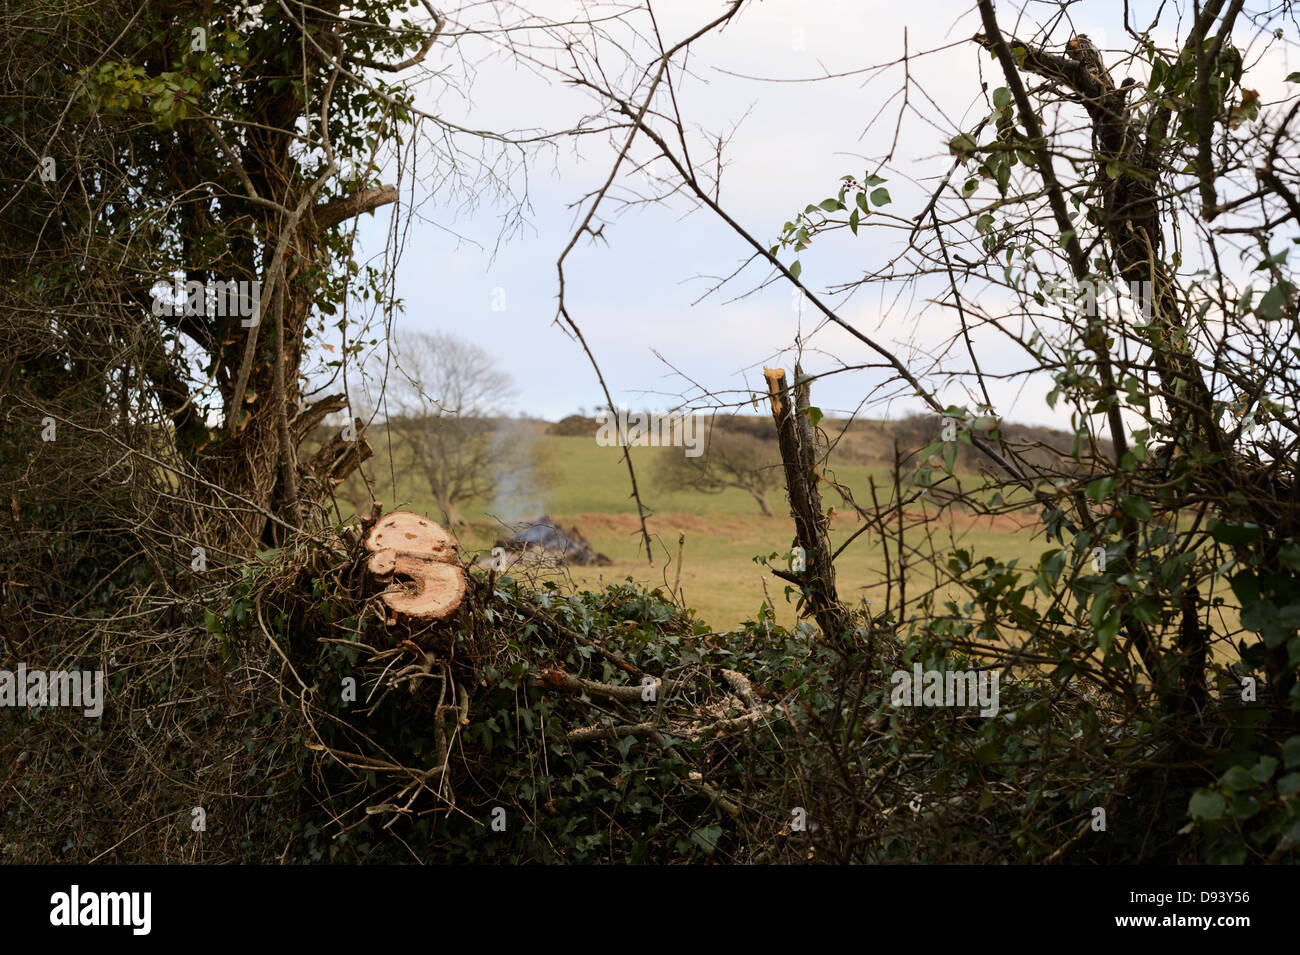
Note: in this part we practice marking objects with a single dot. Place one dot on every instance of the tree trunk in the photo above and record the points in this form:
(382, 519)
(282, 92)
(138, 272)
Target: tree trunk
(451, 516)
(797, 442)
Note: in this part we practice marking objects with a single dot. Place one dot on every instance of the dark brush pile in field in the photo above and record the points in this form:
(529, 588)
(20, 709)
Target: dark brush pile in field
(563, 545)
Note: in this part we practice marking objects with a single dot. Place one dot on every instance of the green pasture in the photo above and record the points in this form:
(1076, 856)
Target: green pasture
(577, 482)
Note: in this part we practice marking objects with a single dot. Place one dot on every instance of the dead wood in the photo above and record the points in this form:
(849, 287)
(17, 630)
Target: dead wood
(797, 442)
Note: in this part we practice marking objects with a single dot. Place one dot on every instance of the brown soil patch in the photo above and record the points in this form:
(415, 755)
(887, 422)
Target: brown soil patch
(959, 521)
(674, 521)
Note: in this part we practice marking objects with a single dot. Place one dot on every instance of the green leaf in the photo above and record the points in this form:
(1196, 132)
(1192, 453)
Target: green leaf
(707, 838)
(1137, 507)
(1291, 752)
(1206, 804)
(853, 221)
(1234, 535)
(795, 268)
(1002, 173)
(1236, 779)
(1099, 489)
(961, 145)
(1274, 300)
(880, 197)
(1258, 616)
(1263, 771)
(1099, 602)
(1002, 97)
(1245, 585)
(831, 205)
(1146, 611)
(1293, 77)
(814, 415)
(1106, 632)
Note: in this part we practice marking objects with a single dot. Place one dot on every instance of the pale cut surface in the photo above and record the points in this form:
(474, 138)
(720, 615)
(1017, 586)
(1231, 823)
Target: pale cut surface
(406, 544)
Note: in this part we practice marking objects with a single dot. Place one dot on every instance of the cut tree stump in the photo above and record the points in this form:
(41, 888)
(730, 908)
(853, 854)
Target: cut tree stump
(406, 545)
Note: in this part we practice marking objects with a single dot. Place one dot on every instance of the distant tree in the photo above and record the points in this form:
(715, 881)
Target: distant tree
(574, 426)
(732, 458)
(444, 405)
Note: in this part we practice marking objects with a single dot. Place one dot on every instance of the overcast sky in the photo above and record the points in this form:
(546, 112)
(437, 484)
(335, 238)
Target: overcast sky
(790, 144)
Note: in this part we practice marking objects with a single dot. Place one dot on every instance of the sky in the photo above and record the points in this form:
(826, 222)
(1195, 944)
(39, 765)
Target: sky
(644, 292)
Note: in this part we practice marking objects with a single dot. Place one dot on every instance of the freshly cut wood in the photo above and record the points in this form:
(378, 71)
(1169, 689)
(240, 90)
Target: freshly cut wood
(406, 545)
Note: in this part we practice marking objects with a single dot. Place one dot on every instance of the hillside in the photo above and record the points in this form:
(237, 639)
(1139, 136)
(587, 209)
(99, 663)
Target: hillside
(579, 483)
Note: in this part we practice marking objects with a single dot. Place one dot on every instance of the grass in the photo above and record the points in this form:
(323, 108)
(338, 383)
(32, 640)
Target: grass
(580, 483)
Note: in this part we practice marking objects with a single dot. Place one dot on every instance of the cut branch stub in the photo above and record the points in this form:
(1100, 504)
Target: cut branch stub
(775, 386)
(406, 545)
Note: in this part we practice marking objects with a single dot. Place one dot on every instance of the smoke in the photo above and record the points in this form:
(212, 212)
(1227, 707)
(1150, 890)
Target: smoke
(516, 498)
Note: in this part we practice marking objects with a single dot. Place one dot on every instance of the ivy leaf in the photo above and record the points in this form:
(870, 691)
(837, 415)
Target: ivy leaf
(1236, 779)
(1206, 804)
(1291, 752)
(1002, 173)
(1263, 771)
(707, 838)
(1099, 489)
(1274, 300)
(1146, 611)
(1234, 535)
(961, 145)
(880, 197)
(1138, 507)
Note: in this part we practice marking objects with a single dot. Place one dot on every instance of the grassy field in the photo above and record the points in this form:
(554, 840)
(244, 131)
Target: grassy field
(580, 483)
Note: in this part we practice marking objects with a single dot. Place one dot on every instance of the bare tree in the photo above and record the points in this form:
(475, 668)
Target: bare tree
(444, 404)
(732, 459)
(1133, 204)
